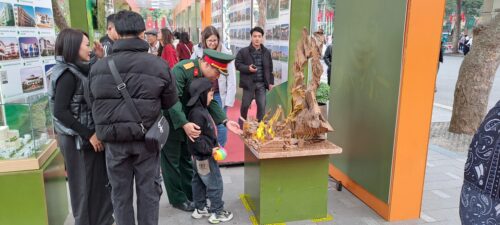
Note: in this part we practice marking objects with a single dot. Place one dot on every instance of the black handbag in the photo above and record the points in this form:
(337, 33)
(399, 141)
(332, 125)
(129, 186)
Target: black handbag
(157, 135)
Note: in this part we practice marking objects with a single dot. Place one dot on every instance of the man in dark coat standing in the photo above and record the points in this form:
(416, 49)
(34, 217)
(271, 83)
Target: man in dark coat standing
(111, 35)
(152, 88)
(256, 66)
(328, 60)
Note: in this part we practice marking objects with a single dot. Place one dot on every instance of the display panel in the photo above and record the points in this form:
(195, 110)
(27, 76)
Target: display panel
(27, 49)
(274, 17)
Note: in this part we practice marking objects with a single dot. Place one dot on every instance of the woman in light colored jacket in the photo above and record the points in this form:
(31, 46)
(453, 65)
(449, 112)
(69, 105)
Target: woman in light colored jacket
(225, 96)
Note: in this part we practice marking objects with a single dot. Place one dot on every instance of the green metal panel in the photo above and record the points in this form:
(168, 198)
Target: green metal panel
(252, 181)
(23, 201)
(185, 16)
(81, 19)
(278, 96)
(293, 189)
(35, 197)
(189, 14)
(181, 20)
(190, 20)
(301, 11)
(196, 21)
(365, 87)
(55, 189)
(287, 189)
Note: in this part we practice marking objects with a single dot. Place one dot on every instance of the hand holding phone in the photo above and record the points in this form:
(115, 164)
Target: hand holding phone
(252, 68)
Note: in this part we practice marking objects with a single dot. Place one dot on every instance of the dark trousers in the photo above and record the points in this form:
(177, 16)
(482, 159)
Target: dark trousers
(129, 161)
(221, 129)
(466, 50)
(87, 180)
(259, 94)
(208, 185)
(177, 171)
(329, 74)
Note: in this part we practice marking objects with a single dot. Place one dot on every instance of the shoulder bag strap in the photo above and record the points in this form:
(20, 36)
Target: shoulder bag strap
(122, 87)
(185, 46)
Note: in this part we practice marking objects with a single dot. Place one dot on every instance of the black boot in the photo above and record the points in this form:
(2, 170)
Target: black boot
(187, 206)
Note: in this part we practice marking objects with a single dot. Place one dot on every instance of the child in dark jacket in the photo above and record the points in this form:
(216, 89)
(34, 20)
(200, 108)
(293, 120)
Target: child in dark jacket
(207, 180)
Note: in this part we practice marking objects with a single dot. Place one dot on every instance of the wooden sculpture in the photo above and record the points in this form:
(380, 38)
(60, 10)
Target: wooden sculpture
(305, 124)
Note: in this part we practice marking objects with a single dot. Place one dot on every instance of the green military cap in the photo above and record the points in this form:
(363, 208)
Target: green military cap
(217, 59)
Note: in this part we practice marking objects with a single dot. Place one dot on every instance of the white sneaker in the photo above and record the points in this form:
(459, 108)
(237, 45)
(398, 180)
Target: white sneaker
(198, 214)
(223, 216)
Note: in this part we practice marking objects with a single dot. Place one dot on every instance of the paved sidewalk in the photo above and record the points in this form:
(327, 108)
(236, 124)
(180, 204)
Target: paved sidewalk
(443, 180)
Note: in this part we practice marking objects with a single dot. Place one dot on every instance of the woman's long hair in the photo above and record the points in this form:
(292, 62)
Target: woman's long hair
(184, 38)
(167, 36)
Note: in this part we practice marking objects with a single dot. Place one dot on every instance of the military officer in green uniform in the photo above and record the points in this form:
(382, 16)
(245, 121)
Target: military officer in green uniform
(176, 163)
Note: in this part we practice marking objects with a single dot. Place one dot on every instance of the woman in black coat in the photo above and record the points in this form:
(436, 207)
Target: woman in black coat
(82, 151)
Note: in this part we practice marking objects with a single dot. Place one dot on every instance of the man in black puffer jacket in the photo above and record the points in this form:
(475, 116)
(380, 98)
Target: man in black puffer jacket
(152, 88)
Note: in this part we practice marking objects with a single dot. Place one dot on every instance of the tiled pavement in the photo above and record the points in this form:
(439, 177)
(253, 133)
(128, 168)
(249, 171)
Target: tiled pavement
(443, 180)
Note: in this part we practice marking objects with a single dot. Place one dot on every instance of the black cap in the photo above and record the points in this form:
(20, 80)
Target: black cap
(196, 88)
(151, 32)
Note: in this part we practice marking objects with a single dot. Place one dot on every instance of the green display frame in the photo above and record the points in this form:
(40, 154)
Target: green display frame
(286, 189)
(35, 197)
(365, 90)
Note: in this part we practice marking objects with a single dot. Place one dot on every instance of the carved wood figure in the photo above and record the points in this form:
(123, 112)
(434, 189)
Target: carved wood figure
(305, 124)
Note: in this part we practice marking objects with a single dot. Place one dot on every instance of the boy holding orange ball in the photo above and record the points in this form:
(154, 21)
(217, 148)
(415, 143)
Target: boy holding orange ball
(207, 180)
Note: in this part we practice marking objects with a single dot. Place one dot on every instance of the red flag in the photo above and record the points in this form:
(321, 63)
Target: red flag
(163, 22)
(149, 23)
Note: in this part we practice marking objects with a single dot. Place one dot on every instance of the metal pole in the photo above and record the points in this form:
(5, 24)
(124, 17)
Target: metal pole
(324, 12)
(315, 14)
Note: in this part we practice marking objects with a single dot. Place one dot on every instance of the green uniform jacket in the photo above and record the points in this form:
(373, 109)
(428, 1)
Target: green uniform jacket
(184, 72)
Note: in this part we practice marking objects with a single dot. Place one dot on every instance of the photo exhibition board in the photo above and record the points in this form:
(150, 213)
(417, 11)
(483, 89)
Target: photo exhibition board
(239, 18)
(27, 48)
(217, 16)
(274, 17)
(238, 23)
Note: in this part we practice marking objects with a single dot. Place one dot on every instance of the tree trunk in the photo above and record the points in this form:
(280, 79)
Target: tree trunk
(457, 27)
(475, 79)
(261, 22)
(58, 16)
